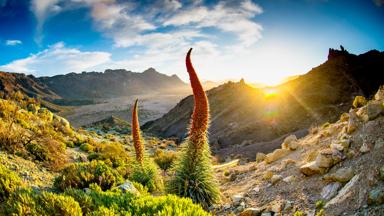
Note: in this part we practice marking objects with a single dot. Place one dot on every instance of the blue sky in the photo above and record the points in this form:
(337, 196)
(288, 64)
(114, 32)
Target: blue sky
(261, 40)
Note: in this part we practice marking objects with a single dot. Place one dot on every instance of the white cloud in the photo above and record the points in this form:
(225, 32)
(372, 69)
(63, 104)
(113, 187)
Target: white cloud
(42, 9)
(57, 59)
(13, 42)
(234, 18)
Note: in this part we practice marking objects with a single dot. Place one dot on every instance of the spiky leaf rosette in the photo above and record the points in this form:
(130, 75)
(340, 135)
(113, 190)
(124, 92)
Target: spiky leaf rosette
(145, 171)
(139, 147)
(193, 170)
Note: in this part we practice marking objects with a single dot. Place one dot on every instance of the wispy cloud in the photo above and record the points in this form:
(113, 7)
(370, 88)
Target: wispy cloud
(57, 59)
(42, 9)
(13, 42)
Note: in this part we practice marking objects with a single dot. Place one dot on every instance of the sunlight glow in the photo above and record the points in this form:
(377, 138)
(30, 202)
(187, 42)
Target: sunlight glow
(270, 93)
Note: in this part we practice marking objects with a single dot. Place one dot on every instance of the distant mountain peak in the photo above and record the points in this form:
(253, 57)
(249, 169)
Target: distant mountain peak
(151, 70)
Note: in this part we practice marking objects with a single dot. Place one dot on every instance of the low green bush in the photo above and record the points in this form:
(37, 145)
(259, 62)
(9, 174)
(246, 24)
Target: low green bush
(81, 175)
(97, 202)
(87, 147)
(39, 152)
(29, 202)
(164, 158)
(9, 182)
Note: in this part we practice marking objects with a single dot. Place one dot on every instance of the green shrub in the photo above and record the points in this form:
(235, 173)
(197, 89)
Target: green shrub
(298, 213)
(28, 202)
(70, 144)
(40, 153)
(81, 175)
(147, 174)
(87, 147)
(320, 204)
(114, 153)
(164, 158)
(359, 101)
(9, 182)
(98, 202)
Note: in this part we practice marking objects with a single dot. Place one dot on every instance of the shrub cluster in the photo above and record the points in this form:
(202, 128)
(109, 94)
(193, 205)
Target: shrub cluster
(81, 175)
(9, 182)
(29, 202)
(164, 159)
(97, 202)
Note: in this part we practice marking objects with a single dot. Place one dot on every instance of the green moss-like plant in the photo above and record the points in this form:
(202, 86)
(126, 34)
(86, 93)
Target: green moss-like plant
(96, 202)
(193, 173)
(9, 182)
(29, 202)
(81, 175)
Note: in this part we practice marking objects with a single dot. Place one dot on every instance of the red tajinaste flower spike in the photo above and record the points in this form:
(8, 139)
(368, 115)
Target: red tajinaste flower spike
(200, 116)
(139, 147)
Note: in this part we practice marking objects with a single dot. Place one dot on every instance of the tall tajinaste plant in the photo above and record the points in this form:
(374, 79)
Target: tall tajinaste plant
(139, 147)
(194, 176)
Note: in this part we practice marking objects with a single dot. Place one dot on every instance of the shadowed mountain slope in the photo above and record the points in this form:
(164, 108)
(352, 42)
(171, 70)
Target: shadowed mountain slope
(112, 83)
(245, 120)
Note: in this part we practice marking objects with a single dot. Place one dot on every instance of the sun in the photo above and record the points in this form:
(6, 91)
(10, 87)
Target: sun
(270, 92)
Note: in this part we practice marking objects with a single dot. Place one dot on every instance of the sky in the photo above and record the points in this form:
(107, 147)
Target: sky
(262, 41)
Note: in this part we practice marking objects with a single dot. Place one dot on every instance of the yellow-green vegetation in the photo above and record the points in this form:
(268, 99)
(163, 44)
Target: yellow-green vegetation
(164, 159)
(30, 202)
(33, 132)
(298, 213)
(9, 182)
(81, 175)
(41, 138)
(114, 202)
(359, 101)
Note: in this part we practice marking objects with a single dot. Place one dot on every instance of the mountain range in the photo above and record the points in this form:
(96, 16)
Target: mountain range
(247, 120)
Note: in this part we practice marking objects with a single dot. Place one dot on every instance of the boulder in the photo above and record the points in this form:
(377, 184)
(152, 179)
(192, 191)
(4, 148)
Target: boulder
(128, 187)
(352, 122)
(341, 175)
(374, 109)
(260, 157)
(289, 179)
(276, 178)
(330, 190)
(237, 198)
(311, 168)
(359, 101)
(290, 143)
(365, 148)
(379, 96)
(376, 196)
(251, 212)
(324, 159)
(345, 193)
(276, 155)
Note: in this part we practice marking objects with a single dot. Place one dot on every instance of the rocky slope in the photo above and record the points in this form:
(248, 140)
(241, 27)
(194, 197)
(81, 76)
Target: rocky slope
(335, 170)
(245, 120)
(112, 83)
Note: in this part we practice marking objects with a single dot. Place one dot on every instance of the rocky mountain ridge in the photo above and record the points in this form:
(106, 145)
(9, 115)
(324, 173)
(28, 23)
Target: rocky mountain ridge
(245, 120)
